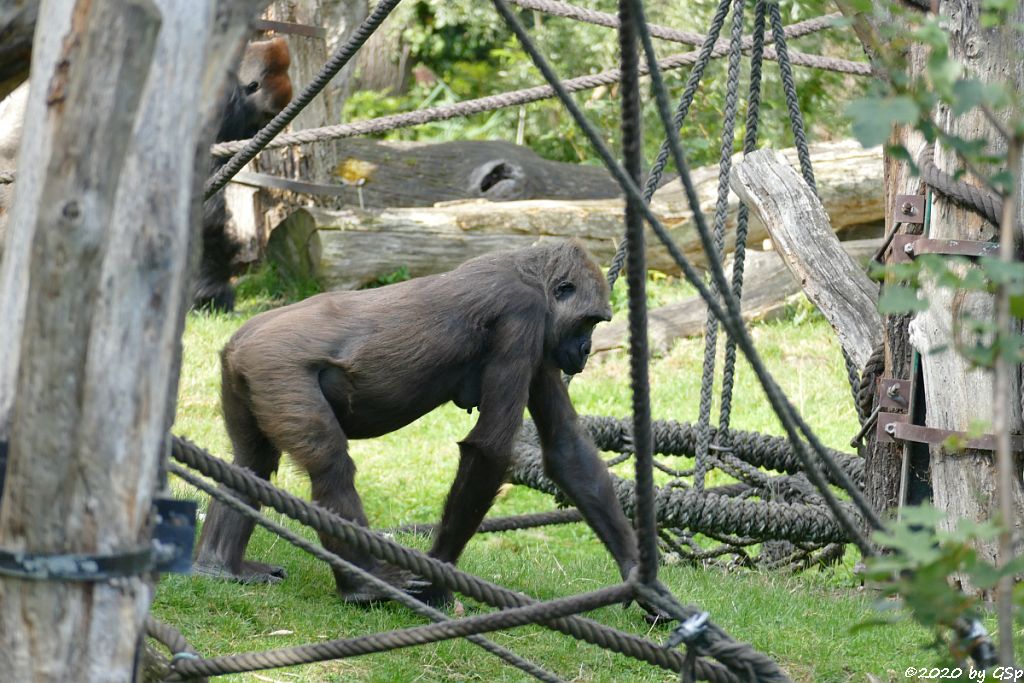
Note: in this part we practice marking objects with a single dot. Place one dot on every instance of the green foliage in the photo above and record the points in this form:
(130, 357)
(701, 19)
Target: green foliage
(917, 573)
(400, 275)
(266, 286)
(467, 47)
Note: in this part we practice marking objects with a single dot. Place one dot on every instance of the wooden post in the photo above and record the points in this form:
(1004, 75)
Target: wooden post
(957, 396)
(93, 302)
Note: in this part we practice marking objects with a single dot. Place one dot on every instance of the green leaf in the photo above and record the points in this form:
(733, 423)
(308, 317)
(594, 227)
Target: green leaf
(873, 117)
(900, 299)
(967, 94)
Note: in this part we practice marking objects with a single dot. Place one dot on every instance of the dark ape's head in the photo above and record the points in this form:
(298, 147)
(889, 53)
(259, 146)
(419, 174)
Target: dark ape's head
(263, 89)
(578, 299)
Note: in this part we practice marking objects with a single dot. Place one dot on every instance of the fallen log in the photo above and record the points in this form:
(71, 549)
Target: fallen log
(353, 247)
(768, 290)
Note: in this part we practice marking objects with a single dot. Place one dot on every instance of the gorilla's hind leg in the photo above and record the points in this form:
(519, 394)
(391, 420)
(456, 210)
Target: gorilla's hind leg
(226, 533)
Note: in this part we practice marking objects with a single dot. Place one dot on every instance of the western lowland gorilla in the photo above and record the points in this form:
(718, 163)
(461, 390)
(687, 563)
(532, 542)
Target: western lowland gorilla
(494, 334)
(261, 90)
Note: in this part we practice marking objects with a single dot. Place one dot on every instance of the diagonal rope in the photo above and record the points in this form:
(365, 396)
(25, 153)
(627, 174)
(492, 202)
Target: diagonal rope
(332, 649)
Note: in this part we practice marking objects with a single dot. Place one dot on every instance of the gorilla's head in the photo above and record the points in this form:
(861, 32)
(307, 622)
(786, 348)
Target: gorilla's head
(578, 299)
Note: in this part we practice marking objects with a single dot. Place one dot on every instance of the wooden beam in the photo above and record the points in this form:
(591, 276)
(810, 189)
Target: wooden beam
(802, 234)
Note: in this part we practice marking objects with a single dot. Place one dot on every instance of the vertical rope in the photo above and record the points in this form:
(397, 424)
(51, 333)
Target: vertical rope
(636, 277)
(683, 108)
(796, 121)
(721, 213)
(742, 219)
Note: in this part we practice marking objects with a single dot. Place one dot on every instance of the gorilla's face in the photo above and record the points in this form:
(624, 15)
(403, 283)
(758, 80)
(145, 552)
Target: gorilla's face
(579, 304)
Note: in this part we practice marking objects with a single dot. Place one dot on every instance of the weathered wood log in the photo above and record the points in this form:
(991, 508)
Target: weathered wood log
(803, 236)
(353, 247)
(93, 303)
(17, 24)
(401, 174)
(769, 289)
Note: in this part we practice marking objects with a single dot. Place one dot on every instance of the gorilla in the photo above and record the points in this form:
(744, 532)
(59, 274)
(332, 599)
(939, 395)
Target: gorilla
(260, 91)
(494, 334)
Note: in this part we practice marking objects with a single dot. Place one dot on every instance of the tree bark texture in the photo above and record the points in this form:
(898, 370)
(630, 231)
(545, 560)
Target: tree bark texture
(92, 295)
(802, 234)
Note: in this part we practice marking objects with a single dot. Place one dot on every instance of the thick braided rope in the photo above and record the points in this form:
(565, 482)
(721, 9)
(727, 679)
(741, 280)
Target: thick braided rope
(498, 524)
(680, 439)
(985, 203)
(431, 569)
(873, 369)
(706, 512)
(340, 648)
(168, 636)
(466, 108)
(707, 383)
(636, 276)
(176, 644)
(336, 63)
(742, 218)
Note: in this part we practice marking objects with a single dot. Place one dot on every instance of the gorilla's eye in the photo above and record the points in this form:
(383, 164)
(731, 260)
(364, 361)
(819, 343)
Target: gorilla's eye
(252, 87)
(563, 290)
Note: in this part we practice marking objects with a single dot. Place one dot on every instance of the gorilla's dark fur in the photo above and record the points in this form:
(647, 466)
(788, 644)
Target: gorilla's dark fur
(261, 90)
(494, 334)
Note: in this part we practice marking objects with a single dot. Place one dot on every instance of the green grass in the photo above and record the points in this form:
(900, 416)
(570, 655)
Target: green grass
(803, 621)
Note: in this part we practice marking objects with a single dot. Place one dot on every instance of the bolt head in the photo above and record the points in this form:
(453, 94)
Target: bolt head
(908, 208)
(890, 428)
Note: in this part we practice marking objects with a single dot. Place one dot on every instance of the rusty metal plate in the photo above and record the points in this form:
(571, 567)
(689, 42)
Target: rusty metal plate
(906, 247)
(894, 394)
(935, 436)
(908, 208)
(883, 432)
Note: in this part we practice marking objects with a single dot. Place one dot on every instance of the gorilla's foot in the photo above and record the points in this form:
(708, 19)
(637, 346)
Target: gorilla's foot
(368, 594)
(249, 573)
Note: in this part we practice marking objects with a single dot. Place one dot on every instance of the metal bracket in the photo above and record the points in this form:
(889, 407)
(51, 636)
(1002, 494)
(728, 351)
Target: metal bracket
(170, 551)
(894, 394)
(904, 431)
(174, 535)
(82, 567)
(292, 28)
(885, 428)
(908, 208)
(906, 247)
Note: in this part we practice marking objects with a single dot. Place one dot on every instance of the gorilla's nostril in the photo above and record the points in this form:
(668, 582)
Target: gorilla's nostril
(585, 348)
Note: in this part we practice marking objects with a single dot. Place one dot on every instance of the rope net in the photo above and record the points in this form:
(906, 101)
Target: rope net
(795, 515)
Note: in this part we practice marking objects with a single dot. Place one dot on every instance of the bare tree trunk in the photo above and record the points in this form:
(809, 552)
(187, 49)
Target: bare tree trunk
(93, 300)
